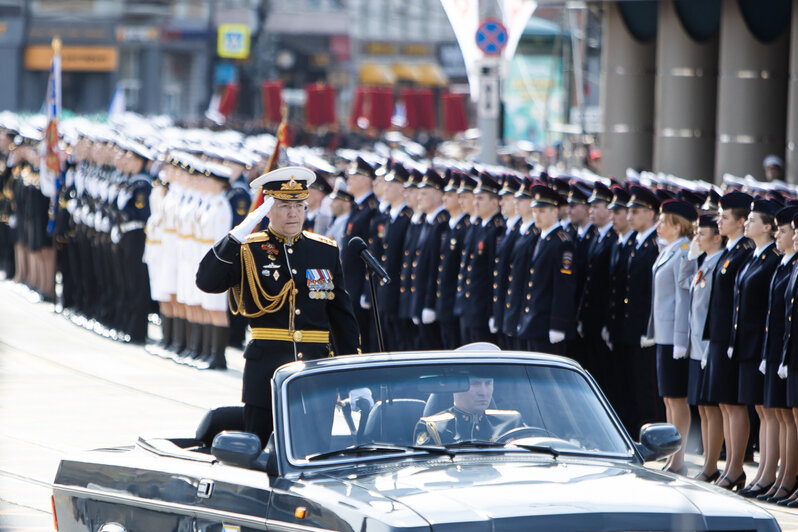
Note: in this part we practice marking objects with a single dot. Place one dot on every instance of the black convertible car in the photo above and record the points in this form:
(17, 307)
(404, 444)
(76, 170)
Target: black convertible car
(472, 440)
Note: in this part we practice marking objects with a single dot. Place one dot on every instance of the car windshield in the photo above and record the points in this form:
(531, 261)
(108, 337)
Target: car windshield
(354, 412)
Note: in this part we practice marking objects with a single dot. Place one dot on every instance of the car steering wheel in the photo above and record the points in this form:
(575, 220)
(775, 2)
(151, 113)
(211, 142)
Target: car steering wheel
(523, 432)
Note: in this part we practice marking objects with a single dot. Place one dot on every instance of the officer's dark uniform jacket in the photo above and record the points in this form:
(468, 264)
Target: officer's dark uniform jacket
(790, 339)
(453, 425)
(358, 225)
(517, 273)
(469, 236)
(718, 328)
(776, 318)
(501, 268)
(451, 251)
(751, 303)
(619, 264)
(549, 299)
(636, 306)
(393, 241)
(293, 293)
(405, 275)
(425, 264)
(582, 245)
(479, 272)
(595, 295)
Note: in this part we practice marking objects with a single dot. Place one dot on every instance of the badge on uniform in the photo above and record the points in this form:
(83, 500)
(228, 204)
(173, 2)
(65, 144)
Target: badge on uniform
(481, 247)
(567, 262)
(725, 265)
(320, 284)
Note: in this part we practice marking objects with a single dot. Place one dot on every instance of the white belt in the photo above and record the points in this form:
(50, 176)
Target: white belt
(131, 226)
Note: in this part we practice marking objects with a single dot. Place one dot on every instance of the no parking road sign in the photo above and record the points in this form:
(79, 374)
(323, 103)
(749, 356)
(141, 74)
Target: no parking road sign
(491, 36)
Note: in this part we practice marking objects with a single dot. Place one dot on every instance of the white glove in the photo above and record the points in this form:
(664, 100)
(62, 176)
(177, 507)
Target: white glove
(12, 221)
(242, 230)
(580, 329)
(492, 325)
(783, 371)
(703, 362)
(428, 316)
(360, 393)
(363, 303)
(693, 252)
(556, 336)
(72, 204)
(605, 335)
(415, 319)
(645, 341)
(116, 234)
(730, 352)
(679, 352)
(763, 367)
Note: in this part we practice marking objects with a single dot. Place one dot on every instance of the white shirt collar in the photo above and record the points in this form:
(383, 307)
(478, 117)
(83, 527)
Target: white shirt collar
(731, 243)
(787, 258)
(758, 251)
(624, 238)
(581, 231)
(604, 229)
(546, 232)
(384, 206)
(708, 257)
(396, 210)
(641, 237)
(416, 217)
(511, 222)
(526, 225)
(431, 216)
(474, 219)
(360, 199)
(487, 220)
(454, 221)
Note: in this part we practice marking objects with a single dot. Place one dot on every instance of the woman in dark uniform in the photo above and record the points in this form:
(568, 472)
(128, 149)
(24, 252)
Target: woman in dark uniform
(720, 376)
(748, 333)
(668, 322)
(780, 424)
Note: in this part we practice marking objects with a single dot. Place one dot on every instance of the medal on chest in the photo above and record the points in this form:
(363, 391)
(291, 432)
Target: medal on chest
(320, 284)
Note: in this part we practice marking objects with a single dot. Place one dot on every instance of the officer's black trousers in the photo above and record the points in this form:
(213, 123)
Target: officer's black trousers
(450, 334)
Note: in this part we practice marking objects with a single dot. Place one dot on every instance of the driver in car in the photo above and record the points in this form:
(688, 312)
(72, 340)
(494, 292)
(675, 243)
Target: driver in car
(469, 419)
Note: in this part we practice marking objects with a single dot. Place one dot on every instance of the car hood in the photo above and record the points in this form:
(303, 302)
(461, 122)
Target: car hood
(481, 493)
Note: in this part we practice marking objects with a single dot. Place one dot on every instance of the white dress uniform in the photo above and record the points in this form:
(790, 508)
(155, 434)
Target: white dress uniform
(168, 264)
(215, 222)
(153, 246)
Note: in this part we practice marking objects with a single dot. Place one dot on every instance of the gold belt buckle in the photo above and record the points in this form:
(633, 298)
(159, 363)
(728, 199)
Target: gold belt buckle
(297, 336)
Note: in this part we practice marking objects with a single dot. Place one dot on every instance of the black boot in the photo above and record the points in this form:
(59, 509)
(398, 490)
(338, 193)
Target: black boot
(178, 336)
(166, 330)
(204, 351)
(193, 343)
(217, 359)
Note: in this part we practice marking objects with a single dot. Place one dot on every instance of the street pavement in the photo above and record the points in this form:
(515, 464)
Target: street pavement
(65, 389)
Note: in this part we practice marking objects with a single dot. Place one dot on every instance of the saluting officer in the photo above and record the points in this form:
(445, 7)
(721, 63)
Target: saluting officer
(549, 308)
(359, 185)
(451, 250)
(290, 285)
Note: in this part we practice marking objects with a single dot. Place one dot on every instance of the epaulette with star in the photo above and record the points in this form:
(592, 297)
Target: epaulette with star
(372, 203)
(441, 217)
(260, 236)
(320, 238)
(563, 235)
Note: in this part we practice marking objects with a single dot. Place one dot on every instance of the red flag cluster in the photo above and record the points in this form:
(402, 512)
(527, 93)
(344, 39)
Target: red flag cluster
(271, 95)
(374, 105)
(454, 113)
(227, 102)
(319, 105)
(420, 108)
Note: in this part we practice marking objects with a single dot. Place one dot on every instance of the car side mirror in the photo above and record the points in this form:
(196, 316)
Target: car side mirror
(236, 448)
(658, 440)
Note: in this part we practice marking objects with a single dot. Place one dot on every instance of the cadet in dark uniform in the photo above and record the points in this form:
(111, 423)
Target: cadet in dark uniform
(501, 265)
(426, 259)
(465, 195)
(410, 332)
(788, 369)
(359, 184)
(288, 283)
(393, 240)
(479, 277)
(468, 419)
(721, 375)
(240, 201)
(518, 265)
(595, 296)
(639, 355)
(451, 251)
(549, 309)
(748, 334)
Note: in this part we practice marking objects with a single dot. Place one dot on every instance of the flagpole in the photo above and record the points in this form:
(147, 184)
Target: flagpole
(52, 157)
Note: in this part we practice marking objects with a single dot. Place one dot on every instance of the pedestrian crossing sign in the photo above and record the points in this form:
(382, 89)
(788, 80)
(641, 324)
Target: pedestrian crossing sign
(233, 41)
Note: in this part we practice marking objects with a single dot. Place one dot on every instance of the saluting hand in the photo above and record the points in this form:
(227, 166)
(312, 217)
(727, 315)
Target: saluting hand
(242, 230)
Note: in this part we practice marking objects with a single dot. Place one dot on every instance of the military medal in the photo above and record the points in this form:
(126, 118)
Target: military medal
(725, 265)
(276, 275)
(319, 283)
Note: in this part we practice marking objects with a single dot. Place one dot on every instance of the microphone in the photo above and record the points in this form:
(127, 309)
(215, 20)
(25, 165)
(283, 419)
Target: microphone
(357, 245)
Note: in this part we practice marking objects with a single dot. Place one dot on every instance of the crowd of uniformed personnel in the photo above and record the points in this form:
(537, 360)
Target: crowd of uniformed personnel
(670, 294)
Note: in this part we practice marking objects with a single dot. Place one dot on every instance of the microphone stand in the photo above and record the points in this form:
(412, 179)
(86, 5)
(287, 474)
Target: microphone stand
(374, 305)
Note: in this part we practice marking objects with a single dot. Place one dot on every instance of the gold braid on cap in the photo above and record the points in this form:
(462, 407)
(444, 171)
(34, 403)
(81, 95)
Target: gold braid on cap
(273, 303)
(290, 191)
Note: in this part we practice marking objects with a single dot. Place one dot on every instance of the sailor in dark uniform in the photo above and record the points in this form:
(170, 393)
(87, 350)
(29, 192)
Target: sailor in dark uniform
(478, 276)
(549, 308)
(501, 263)
(518, 265)
(426, 259)
(410, 323)
(595, 296)
(465, 195)
(469, 418)
(290, 285)
(359, 184)
(721, 375)
(393, 239)
(451, 250)
(240, 200)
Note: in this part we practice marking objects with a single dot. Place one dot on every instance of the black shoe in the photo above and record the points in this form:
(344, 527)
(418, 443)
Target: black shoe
(756, 490)
(732, 485)
(781, 494)
(703, 477)
(789, 503)
(681, 471)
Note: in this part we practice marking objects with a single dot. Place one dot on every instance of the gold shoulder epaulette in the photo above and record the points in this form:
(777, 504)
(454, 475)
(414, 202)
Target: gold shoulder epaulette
(442, 217)
(443, 416)
(320, 238)
(563, 235)
(260, 236)
(685, 246)
(746, 245)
